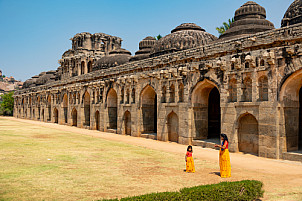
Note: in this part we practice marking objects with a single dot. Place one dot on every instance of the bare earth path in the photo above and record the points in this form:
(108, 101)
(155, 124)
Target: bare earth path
(282, 179)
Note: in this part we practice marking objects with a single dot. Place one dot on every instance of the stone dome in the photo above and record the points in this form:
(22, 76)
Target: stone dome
(115, 58)
(249, 19)
(145, 47)
(184, 36)
(293, 15)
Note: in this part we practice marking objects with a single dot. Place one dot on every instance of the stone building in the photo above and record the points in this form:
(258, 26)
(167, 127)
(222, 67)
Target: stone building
(187, 87)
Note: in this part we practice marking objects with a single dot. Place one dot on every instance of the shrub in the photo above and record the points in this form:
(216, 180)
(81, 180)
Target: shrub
(239, 190)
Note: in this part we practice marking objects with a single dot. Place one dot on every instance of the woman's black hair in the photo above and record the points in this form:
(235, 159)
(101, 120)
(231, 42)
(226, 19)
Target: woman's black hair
(189, 148)
(225, 137)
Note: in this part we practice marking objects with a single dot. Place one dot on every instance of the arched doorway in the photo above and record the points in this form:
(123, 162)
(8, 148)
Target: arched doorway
(173, 127)
(127, 123)
(65, 107)
(214, 114)
(206, 110)
(42, 114)
(149, 110)
(56, 115)
(74, 115)
(82, 67)
(87, 109)
(49, 107)
(97, 120)
(112, 108)
(248, 138)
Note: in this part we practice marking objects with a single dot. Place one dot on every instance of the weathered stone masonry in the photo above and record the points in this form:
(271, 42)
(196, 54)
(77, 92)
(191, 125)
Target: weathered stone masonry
(187, 87)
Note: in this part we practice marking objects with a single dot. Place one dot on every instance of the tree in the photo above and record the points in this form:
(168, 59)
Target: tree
(158, 37)
(7, 104)
(225, 26)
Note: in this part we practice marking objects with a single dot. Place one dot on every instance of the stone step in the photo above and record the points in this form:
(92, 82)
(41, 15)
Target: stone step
(111, 130)
(293, 156)
(152, 136)
(205, 144)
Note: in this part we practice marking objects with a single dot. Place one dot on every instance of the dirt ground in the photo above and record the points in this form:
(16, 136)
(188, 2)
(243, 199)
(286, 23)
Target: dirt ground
(282, 179)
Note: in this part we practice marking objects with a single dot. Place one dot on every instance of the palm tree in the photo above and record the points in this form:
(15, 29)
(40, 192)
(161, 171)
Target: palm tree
(225, 26)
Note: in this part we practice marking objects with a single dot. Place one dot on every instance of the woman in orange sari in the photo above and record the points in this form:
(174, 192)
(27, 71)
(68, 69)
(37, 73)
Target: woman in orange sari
(224, 157)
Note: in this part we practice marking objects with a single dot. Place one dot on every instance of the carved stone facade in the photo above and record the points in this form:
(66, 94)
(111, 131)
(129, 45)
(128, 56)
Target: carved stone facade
(192, 87)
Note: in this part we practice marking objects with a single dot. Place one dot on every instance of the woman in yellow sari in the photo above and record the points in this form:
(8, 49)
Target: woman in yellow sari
(224, 157)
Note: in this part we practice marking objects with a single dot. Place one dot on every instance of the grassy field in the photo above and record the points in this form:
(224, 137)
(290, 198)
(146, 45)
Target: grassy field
(39, 163)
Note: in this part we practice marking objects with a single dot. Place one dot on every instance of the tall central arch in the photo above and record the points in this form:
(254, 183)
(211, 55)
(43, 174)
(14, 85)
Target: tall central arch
(149, 110)
(65, 107)
(86, 109)
(206, 110)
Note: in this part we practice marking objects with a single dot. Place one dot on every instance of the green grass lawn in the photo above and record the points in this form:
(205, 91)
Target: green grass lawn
(39, 163)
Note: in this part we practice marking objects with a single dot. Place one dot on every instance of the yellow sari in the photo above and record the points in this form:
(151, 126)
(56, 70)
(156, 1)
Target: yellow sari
(190, 165)
(224, 163)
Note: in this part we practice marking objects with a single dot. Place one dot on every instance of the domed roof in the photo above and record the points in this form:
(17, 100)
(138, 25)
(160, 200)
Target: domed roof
(250, 18)
(293, 15)
(115, 58)
(144, 49)
(184, 36)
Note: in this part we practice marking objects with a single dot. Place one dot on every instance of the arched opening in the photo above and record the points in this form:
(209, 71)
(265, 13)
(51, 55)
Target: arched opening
(112, 108)
(87, 109)
(49, 108)
(206, 110)
(233, 90)
(149, 110)
(181, 92)
(34, 115)
(172, 94)
(65, 107)
(247, 65)
(42, 114)
(263, 88)
(247, 90)
(163, 96)
(172, 127)
(214, 114)
(262, 62)
(248, 138)
(74, 115)
(127, 123)
(82, 67)
(133, 95)
(89, 66)
(56, 115)
(97, 120)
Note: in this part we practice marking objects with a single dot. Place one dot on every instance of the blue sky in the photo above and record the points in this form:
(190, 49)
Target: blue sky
(35, 33)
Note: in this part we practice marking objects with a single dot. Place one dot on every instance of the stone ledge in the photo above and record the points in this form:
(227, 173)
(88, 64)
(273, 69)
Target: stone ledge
(152, 136)
(206, 143)
(293, 156)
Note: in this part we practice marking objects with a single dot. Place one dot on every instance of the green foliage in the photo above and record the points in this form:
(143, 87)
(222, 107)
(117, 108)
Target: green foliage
(158, 37)
(7, 104)
(239, 190)
(226, 26)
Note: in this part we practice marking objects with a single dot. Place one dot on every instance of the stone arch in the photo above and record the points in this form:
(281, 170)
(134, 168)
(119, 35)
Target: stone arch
(65, 107)
(290, 97)
(74, 115)
(112, 108)
(247, 65)
(86, 100)
(164, 92)
(127, 123)
(262, 63)
(248, 136)
(173, 127)
(133, 95)
(206, 118)
(149, 110)
(56, 115)
(42, 114)
(97, 120)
